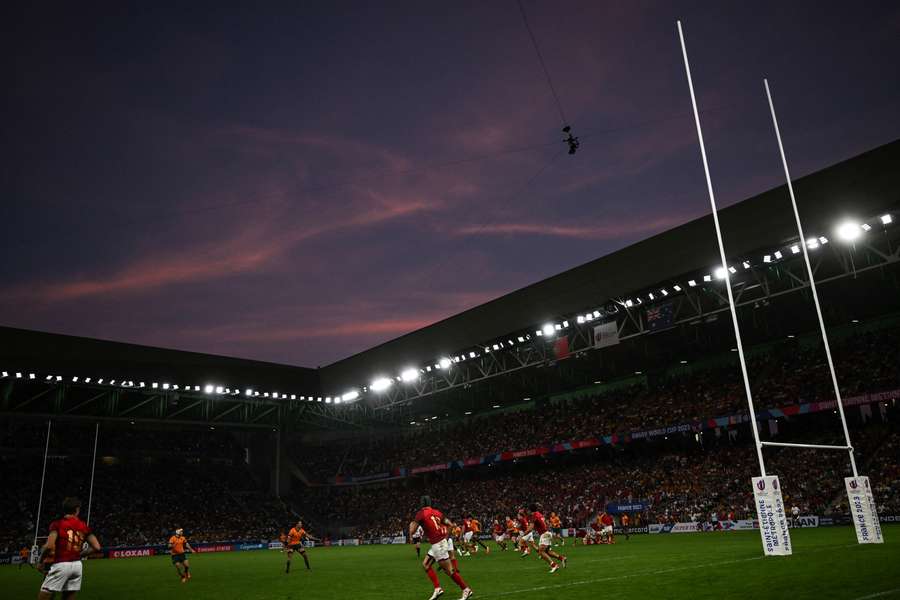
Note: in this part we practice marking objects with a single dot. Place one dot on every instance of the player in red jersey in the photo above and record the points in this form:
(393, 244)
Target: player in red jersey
(499, 534)
(526, 537)
(606, 528)
(435, 524)
(536, 523)
(64, 550)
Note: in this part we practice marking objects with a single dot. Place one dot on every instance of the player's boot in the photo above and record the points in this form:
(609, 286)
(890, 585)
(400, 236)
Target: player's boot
(563, 560)
(487, 550)
(467, 593)
(438, 592)
(554, 568)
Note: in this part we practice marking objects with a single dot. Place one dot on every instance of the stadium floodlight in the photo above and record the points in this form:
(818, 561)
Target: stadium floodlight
(468, 412)
(166, 386)
(565, 323)
(651, 296)
(100, 381)
(48, 378)
(88, 380)
(495, 347)
(596, 314)
(629, 303)
(75, 379)
(59, 378)
(496, 406)
(823, 240)
(692, 283)
(5, 374)
(473, 355)
(112, 382)
(886, 219)
(707, 278)
(767, 258)
(409, 375)
(209, 388)
(350, 396)
(579, 319)
(664, 292)
(849, 231)
(795, 249)
(18, 376)
(676, 287)
(778, 254)
(141, 384)
(548, 329)
(812, 243)
(521, 339)
(31, 376)
(219, 389)
(445, 363)
(327, 399)
(248, 392)
(589, 317)
(265, 394)
(380, 384)
(866, 227)
(746, 264)
(719, 273)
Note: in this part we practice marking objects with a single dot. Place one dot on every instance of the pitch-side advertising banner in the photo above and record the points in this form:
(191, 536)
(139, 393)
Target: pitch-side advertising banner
(773, 522)
(862, 510)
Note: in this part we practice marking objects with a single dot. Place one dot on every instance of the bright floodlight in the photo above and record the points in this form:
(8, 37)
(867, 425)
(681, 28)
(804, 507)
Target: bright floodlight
(381, 384)
(720, 273)
(849, 231)
(886, 219)
(795, 249)
(692, 283)
(548, 329)
(409, 375)
(248, 392)
(350, 396)
(208, 388)
(445, 363)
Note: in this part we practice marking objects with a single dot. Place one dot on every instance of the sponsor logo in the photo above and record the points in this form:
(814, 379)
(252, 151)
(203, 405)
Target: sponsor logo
(132, 553)
(215, 548)
(774, 484)
(760, 485)
(853, 484)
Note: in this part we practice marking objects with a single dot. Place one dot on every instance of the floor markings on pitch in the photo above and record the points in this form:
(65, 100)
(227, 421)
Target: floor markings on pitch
(658, 572)
(879, 594)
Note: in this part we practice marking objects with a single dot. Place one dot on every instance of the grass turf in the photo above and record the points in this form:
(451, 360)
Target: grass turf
(827, 563)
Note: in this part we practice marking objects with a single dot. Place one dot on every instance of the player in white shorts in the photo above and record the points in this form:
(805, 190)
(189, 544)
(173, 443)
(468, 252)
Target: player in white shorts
(417, 540)
(69, 541)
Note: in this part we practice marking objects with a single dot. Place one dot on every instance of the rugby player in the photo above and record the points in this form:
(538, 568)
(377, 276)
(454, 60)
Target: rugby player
(626, 523)
(499, 534)
(471, 529)
(435, 524)
(536, 523)
(417, 540)
(556, 528)
(63, 551)
(606, 528)
(295, 544)
(177, 545)
(24, 554)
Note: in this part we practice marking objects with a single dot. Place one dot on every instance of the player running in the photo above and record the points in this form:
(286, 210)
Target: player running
(283, 538)
(295, 544)
(417, 540)
(536, 523)
(24, 554)
(512, 531)
(177, 545)
(471, 529)
(64, 548)
(526, 535)
(435, 524)
(499, 532)
(556, 528)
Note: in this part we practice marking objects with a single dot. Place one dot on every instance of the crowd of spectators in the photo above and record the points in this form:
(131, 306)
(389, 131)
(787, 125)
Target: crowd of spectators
(155, 482)
(782, 375)
(677, 485)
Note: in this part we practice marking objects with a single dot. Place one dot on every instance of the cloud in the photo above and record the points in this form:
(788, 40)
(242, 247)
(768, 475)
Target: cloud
(600, 231)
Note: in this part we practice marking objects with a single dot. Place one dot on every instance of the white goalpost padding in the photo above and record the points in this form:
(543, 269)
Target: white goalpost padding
(773, 524)
(37, 516)
(859, 492)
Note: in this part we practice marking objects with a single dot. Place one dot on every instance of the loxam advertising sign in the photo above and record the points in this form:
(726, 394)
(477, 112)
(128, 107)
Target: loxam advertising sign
(132, 552)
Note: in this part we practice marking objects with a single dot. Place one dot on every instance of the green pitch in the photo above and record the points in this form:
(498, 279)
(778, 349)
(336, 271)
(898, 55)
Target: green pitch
(827, 563)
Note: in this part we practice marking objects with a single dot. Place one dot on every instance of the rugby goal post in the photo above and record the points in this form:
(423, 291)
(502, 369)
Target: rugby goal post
(859, 491)
(771, 514)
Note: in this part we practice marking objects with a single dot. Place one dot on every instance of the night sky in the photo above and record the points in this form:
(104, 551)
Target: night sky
(298, 183)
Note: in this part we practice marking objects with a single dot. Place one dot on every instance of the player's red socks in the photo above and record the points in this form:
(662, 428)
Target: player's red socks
(433, 577)
(458, 580)
(455, 564)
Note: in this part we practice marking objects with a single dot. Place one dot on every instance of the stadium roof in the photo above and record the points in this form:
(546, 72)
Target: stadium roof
(861, 186)
(858, 187)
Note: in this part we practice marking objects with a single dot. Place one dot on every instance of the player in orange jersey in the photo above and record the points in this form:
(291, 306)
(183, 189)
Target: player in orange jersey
(556, 528)
(177, 545)
(295, 544)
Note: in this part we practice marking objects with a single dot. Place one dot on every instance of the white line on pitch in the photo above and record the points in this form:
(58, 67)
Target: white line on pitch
(879, 594)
